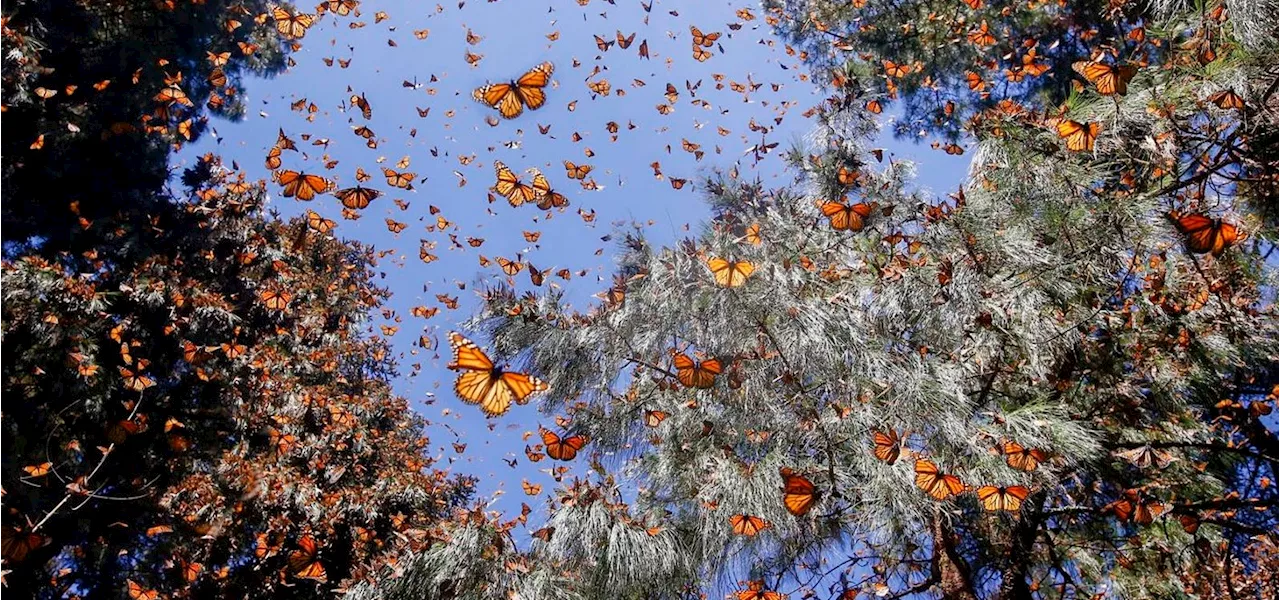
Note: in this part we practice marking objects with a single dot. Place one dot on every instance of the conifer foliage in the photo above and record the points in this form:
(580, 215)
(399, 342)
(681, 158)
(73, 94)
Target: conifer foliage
(193, 407)
(1054, 382)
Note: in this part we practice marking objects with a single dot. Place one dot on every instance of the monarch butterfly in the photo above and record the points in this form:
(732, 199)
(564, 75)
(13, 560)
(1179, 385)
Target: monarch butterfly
(532, 489)
(934, 482)
(748, 525)
(559, 448)
(653, 418)
(319, 223)
(982, 36)
(730, 273)
(697, 374)
(301, 185)
(137, 592)
(1023, 459)
(135, 380)
(402, 180)
(39, 470)
(845, 217)
(755, 591)
(887, 445)
(275, 299)
(481, 382)
(547, 197)
(217, 77)
(1008, 499)
(510, 267)
(15, 543)
(361, 102)
(798, 493)
(1206, 235)
(291, 26)
(1079, 136)
(895, 70)
(303, 562)
(1109, 79)
(357, 197)
(1132, 508)
(511, 98)
(509, 185)
(1227, 99)
(573, 171)
(701, 39)
(753, 236)
(700, 54)
(1144, 457)
(172, 94)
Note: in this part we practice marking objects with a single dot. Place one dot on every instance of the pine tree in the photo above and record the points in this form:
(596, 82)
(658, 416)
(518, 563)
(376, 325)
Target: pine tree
(91, 105)
(1095, 377)
(193, 405)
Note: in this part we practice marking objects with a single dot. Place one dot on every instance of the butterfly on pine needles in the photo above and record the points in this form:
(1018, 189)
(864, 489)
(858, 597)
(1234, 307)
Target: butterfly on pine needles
(1206, 235)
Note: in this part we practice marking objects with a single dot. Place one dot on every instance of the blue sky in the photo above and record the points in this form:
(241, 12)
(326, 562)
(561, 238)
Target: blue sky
(454, 136)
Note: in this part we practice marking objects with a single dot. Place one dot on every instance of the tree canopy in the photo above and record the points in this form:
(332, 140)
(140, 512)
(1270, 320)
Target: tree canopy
(194, 406)
(1054, 382)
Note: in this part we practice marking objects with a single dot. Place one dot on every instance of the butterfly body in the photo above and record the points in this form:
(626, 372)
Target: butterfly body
(484, 383)
(511, 98)
(1206, 235)
(845, 217)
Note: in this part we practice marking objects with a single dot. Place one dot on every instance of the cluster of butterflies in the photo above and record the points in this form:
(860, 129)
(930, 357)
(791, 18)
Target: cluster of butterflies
(799, 493)
(538, 191)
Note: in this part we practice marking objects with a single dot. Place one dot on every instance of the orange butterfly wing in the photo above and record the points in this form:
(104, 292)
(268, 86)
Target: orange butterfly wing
(798, 493)
(748, 525)
(303, 561)
(887, 447)
(1079, 136)
(1008, 499)
(934, 482)
(560, 448)
(530, 85)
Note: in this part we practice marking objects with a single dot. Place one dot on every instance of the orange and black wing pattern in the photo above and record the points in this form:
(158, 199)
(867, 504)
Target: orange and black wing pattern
(481, 382)
(798, 493)
(511, 98)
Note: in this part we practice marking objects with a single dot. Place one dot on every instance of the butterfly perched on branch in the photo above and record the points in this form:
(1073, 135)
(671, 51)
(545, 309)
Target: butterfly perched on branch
(1206, 235)
(798, 493)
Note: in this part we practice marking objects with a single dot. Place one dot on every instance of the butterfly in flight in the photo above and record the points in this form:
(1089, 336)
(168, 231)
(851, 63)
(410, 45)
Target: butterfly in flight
(484, 383)
(357, 197)
(511, 98)
(562, 448)
(510, 187)
(302, 185)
